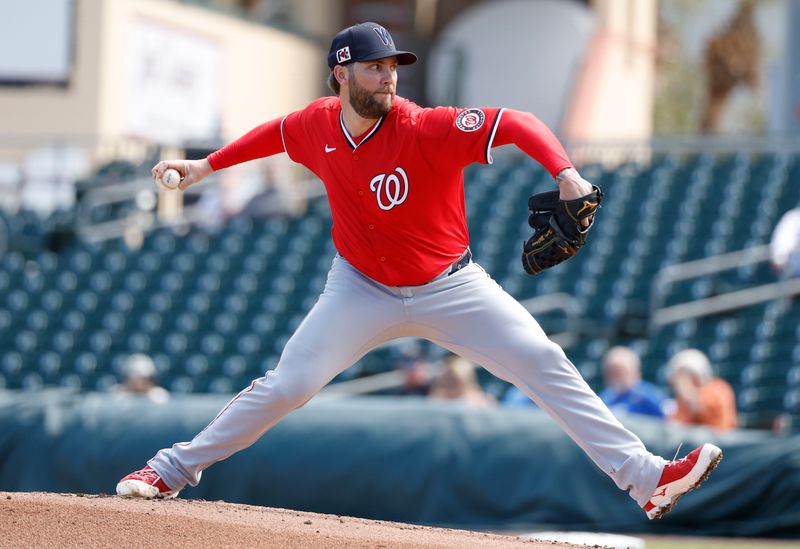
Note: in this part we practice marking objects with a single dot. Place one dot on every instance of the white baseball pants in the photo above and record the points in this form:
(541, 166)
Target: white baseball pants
(467, 313)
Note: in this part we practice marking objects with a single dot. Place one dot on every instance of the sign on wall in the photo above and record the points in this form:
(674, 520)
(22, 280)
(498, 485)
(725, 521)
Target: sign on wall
(173, 84)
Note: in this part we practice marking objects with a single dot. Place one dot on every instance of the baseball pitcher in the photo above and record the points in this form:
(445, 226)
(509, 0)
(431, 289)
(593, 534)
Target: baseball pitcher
(393, 173)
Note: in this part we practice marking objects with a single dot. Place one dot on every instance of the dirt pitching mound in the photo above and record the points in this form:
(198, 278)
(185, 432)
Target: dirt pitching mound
(33, 519)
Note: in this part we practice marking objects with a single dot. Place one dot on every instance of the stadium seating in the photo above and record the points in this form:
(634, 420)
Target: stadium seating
(214, 308)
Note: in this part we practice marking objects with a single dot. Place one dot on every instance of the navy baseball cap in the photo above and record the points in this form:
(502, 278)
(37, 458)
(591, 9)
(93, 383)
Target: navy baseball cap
(365, 42)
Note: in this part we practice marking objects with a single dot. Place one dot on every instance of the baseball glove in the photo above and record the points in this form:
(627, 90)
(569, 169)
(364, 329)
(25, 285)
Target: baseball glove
(558, 232)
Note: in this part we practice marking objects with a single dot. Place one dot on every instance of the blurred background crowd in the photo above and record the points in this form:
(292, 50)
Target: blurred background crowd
(682, 311)
(683, 305)
(689, 108)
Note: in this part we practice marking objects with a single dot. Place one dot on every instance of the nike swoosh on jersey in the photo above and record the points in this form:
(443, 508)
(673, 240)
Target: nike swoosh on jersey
(329, 149)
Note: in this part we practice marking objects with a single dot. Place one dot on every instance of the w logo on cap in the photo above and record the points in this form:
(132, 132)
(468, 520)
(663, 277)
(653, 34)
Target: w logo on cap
(383, 34)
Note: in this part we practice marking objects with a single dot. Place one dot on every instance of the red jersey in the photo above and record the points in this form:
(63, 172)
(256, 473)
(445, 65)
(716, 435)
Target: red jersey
(397, 192)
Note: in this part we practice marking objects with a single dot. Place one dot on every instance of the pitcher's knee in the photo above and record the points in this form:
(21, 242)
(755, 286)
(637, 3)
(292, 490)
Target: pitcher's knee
(549, 353)
(287, 392)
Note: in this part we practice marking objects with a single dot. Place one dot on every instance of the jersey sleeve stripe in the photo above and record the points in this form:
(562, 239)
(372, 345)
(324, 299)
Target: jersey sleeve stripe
(284, 140)
(489, 159)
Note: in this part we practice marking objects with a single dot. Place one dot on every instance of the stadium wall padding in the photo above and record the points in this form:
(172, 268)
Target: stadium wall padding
(401, 459)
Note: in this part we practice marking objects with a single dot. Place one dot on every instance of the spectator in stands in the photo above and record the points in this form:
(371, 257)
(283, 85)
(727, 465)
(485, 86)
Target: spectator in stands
(458, 381)
(700, 398)
(417, 374)
(140, 372)
(785, 244)
(625, 391)
(262, 190)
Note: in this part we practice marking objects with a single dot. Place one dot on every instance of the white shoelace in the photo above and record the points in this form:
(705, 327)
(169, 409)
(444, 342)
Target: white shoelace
(678, 451)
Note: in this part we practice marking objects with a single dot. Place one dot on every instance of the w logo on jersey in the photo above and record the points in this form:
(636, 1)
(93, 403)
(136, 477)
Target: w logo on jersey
(390, 190)
(384, 35)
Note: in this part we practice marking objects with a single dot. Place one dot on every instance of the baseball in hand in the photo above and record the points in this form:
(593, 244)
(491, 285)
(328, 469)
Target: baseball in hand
(170, 180)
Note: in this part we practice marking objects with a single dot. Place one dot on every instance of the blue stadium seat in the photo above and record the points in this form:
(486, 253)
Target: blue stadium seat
(234, 296)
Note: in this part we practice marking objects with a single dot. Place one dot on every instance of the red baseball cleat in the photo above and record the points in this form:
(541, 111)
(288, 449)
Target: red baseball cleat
(144, 483)
(680, 477)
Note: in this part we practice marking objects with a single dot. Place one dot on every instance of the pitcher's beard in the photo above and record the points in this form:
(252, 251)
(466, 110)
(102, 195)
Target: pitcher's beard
(365, 104)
